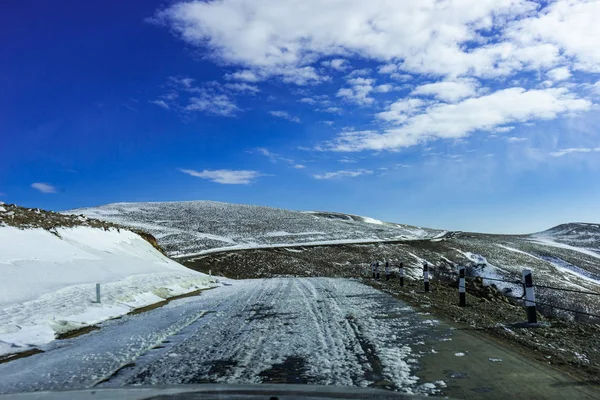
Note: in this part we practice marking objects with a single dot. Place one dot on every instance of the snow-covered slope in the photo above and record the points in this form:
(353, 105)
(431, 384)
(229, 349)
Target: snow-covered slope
(195, 227)
(48, 279)
(576, 234)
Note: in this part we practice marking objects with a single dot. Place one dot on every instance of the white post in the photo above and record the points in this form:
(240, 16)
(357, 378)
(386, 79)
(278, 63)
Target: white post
(529, 296)
(210, 273)
(462, 296)
(97, 293)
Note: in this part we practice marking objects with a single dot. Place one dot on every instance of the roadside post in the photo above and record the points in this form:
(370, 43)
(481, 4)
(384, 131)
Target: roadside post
(426, 276)
(401, 274)
(529, 296)
(462, 296)
(97, 293)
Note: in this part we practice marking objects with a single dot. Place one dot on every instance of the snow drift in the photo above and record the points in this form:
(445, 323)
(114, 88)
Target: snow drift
(49, 278)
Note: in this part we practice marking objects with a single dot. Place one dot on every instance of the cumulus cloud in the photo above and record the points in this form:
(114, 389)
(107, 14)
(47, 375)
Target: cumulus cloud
(358, 92)
(216, 104)
(225, 176)
(339, 64)
(285, 115)
(449, 91)
(242, 87)
(514, 139)
(307, 100)
(332, 110)
(572, 150)
(456, 44)
(343, 174)
(267, 35)
(417, 121)
(559, 74)
(44, 187)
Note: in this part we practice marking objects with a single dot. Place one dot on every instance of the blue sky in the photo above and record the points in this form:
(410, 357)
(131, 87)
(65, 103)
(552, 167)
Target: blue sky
(462, 115)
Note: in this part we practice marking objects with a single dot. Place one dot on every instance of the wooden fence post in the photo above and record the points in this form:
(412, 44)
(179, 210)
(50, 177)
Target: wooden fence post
(529, 296)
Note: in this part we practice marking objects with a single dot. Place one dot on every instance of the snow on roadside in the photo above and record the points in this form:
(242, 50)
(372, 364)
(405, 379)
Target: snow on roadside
(48, 280)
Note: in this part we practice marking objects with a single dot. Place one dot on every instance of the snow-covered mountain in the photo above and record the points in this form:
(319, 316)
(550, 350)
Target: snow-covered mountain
(50, 265)
(195, 227)
(575, 234)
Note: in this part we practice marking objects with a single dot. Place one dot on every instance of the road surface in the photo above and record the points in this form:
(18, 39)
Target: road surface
(288, 330)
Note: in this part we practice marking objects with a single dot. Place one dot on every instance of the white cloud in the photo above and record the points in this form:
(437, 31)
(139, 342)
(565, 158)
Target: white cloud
(563, 152)
(383, 88)
(182, 82)
(346, 161)
(242, 87)
(161, 103)
(515, 139)
(244, 75)
(274, 158)
(358, 73)
(503, 129)
(332, 110)
(359, 92)
(305, 75)
(450, 91)
(327, 122)
(225, 176)
(426, 36)
(401, 77)
(299, 166)
(285, 115)
(417, 121)
(339, 64)
(559, 74)
(343, 174)
(44, 187)
(387, 69)
(216, 104)
(307, 100)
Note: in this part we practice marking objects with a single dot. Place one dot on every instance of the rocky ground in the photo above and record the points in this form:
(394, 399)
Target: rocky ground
(570, 346)
(24, 218)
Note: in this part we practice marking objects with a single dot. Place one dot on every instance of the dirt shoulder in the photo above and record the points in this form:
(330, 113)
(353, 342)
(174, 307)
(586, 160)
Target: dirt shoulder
(571, 347)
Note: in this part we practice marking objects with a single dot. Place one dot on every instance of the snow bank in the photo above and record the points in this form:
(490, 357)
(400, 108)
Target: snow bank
(48, 280)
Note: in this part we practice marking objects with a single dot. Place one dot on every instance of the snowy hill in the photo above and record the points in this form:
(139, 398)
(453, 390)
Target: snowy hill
(196, 227)
(577, 234)
(50, 265)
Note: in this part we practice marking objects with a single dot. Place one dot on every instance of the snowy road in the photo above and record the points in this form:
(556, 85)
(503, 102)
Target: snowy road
(290, 330)
(297, 330)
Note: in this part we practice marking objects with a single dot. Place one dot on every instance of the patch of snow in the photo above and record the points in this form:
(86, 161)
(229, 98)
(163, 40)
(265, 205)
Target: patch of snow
(495, 359)
(48, 283)
(459, 354)
(571, 269)
(370, 220)
(549, 242)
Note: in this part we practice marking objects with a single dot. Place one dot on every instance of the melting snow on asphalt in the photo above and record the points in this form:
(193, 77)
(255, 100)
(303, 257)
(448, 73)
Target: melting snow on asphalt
(303, 330)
